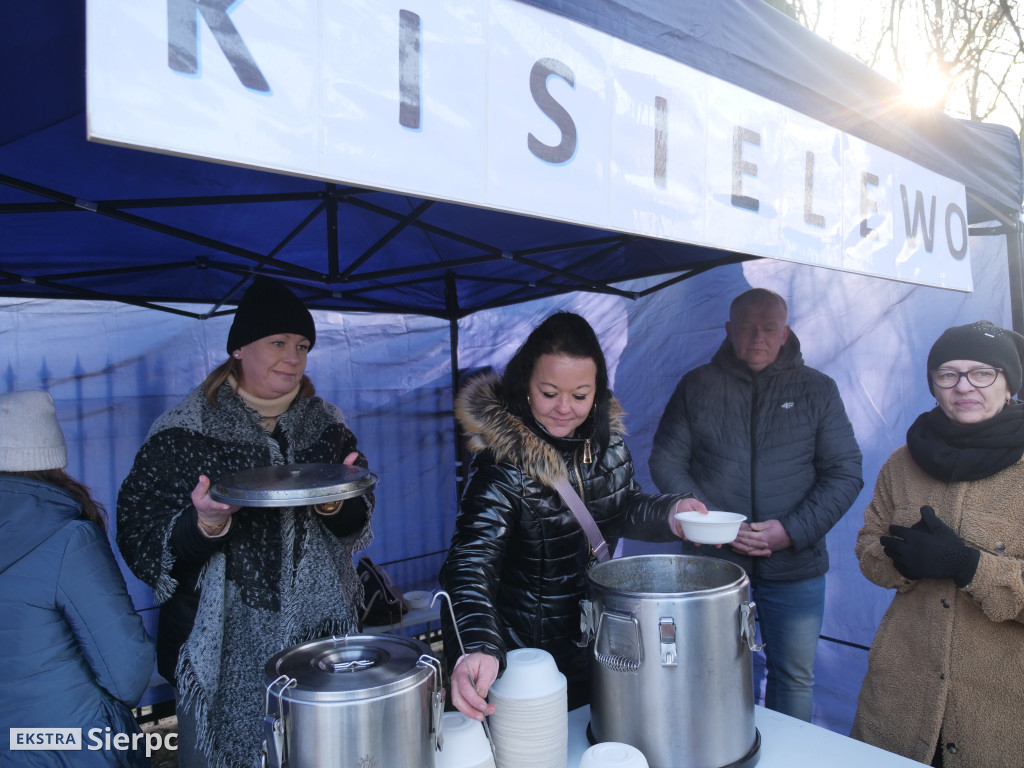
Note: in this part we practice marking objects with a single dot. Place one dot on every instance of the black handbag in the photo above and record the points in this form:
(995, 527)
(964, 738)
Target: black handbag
(383, 603)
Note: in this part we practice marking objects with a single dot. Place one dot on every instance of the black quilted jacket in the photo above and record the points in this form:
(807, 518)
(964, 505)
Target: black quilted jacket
(516, 568)
(777, 445)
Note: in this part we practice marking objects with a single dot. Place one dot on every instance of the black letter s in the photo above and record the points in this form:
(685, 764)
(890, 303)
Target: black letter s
(558, 114)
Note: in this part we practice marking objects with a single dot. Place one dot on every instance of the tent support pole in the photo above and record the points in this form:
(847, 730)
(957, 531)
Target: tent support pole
(333, 261)
(451, 300)
(1014, 256)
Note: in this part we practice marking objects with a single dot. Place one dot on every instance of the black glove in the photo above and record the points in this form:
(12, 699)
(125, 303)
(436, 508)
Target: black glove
(930, 550)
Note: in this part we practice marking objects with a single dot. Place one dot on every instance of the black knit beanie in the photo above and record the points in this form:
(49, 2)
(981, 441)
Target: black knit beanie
(984, 342)
(267, 308)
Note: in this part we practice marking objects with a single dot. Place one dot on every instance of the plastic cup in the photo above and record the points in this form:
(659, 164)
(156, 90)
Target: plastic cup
(465, 743)
(613, 754)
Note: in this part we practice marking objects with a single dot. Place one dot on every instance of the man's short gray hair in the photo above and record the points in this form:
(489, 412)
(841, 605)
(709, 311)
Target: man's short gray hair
(755, 296)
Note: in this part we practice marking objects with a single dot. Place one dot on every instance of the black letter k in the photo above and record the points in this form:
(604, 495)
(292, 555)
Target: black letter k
(183, 40)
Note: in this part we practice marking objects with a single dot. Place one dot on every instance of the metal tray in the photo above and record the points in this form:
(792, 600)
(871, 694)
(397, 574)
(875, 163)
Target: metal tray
(292, 485)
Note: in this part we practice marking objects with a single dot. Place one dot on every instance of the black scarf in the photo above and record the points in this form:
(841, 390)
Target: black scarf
(952, 452)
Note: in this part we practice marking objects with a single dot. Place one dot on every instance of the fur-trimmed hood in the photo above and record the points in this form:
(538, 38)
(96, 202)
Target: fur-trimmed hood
(489, 426)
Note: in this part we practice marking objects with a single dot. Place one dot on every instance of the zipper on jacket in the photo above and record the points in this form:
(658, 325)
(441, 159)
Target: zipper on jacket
(579, 476)
(753, 461)
(753, 450)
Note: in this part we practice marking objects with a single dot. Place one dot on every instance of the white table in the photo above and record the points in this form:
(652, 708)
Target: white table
(785, 743)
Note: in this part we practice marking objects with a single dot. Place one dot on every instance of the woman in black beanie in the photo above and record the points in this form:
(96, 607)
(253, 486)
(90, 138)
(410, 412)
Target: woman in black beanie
(945, 529)
(237, 586)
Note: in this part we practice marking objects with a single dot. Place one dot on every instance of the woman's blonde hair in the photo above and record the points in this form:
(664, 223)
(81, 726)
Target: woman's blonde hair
(233, 367)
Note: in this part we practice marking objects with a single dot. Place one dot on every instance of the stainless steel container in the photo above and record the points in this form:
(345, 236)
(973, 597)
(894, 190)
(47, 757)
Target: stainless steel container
(673, 636)
(360, 700)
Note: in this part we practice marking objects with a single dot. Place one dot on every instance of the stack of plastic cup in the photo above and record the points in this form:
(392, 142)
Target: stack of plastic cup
(530, 726)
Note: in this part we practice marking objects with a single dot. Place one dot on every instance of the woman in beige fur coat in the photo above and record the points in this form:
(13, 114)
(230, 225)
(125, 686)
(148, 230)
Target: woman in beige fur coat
(945, 529)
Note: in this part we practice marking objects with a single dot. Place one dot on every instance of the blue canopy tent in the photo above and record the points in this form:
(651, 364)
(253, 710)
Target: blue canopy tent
(454, 286)
(86, 220)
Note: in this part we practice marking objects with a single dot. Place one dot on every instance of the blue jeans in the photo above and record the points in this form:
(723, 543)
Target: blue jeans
(790, 613)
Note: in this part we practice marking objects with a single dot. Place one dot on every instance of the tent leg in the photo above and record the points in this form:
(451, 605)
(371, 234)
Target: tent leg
(1014, 256)
(451, 299)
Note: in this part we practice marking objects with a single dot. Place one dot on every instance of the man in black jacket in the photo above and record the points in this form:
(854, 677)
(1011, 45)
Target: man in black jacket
(758, 432)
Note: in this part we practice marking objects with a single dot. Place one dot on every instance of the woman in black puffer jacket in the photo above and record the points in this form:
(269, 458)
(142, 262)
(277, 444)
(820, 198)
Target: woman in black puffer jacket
(516, 568)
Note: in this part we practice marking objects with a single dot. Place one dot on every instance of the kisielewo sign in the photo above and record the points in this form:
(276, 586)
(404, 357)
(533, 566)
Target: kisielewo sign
(498, 104)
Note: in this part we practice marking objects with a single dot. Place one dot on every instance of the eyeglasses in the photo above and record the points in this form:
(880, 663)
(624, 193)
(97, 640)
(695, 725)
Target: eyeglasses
(947, 378)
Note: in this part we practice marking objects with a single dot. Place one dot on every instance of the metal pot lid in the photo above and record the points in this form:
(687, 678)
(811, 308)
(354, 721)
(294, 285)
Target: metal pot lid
(350, 668)
(292, 485)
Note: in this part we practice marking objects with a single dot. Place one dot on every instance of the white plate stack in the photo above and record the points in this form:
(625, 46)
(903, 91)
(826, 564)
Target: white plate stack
(530, 728)
(465, 744)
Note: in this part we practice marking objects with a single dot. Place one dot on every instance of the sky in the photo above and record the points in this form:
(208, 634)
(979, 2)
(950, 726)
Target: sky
(841, 23)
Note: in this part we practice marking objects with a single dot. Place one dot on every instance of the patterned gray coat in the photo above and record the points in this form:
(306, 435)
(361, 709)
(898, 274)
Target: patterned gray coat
(279, 577)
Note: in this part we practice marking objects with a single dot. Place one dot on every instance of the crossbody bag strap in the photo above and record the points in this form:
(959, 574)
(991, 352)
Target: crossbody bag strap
(585, 519)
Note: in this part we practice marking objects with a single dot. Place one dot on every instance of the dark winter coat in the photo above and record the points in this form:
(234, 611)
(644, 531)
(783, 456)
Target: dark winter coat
(516, 569)
(773, 446)
(279, 576)
(73, 651)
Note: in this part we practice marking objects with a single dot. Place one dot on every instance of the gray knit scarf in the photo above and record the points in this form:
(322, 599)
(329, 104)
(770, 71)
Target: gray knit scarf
(282, 579)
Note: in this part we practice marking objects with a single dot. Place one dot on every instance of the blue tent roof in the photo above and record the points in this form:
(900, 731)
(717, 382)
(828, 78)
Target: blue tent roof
(81, 219)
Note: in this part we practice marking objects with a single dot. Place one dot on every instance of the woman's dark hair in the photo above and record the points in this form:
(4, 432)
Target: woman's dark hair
(233, 367)
(563, 333)
(91, 509)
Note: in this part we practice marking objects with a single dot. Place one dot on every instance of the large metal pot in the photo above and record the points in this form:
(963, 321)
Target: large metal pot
(673, 636)
(360, 700)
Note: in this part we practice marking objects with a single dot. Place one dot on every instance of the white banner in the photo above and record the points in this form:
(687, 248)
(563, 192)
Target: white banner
(498, 104)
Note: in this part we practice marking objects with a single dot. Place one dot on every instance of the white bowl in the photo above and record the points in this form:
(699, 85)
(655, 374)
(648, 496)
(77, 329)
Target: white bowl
(418, 599)
(465, 743)
(612, 754)
(530, 673)
(713, 528)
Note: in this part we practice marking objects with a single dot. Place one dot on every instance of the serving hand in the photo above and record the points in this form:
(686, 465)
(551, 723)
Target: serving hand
(470, 701)
(212, 515)
(329, 508)
(684, 505)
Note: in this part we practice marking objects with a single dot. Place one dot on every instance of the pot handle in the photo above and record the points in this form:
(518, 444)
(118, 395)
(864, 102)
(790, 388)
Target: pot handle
(624, 629)
(273, 747)
(436, 699)
(586, 623)
(748, 632)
